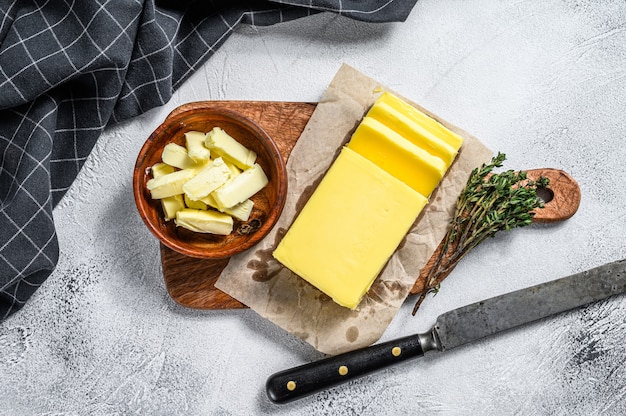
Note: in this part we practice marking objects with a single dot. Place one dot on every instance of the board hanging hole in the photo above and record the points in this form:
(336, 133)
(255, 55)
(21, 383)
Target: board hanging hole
(545, 194)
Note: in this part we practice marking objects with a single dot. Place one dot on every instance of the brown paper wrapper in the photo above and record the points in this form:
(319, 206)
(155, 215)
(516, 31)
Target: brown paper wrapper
(256, 279)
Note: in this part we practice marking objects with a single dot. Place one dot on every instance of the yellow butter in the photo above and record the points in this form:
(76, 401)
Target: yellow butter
(160, 169)
(171, 204)
(398, 156)
(419, 117)
(176, 155)
(212, 222)
(241, 187)
(170, 184)
(196, 150)
(234, 170)
(190, 203)
(412, 131)
(240, 211)
(211, 177)
(221, 143)
(349, 228)
(209, 201)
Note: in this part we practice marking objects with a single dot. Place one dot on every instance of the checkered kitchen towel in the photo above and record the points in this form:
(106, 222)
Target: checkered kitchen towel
(69, 68)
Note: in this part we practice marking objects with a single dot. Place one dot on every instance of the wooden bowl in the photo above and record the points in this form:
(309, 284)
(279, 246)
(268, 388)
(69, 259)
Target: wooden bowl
(268, 203)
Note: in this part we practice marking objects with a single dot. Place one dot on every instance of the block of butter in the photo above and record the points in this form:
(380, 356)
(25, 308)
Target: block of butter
(398, 156)
(368, 200)
(349, 228)
(414, 132)
(422, 119)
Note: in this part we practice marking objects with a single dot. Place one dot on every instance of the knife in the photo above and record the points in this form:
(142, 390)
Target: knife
(452, 329)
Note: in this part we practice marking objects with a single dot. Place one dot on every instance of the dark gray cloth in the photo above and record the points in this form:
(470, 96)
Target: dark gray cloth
(70, 68)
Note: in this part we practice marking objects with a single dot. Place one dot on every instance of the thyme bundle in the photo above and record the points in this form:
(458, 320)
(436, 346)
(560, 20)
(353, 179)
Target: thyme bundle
(490, 202)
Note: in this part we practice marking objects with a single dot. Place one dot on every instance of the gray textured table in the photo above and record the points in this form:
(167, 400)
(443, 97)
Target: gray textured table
(543, 82)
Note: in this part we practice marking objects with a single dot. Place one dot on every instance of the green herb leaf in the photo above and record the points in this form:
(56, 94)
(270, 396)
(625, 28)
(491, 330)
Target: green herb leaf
(490, 202)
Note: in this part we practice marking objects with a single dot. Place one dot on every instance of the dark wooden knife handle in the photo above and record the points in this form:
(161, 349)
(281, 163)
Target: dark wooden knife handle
(298, 382)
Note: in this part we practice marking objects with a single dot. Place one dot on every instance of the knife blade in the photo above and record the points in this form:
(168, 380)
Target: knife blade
(452, 329)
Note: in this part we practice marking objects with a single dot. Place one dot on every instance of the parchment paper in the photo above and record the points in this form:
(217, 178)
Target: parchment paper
(260, 282)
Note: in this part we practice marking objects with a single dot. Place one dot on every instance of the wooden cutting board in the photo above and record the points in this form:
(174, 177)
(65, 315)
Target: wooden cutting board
(190, 281)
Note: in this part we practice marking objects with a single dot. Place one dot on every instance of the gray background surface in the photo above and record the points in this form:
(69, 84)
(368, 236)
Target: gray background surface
(542, 81)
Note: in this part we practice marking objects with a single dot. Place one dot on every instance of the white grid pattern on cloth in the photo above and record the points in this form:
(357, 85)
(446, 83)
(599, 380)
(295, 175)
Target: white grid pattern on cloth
(367, 10)
(70, 68)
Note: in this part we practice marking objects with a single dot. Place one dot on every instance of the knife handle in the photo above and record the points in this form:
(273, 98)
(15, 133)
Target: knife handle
(298, 382)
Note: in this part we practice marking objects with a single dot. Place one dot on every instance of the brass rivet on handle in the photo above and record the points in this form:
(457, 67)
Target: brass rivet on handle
(396, 351)
(343, 370)
(291, 385)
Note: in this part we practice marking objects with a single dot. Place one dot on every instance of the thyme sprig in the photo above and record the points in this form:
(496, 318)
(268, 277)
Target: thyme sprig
(490, 202)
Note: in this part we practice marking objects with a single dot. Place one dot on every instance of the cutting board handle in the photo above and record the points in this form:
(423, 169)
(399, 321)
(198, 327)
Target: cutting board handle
(561, 197)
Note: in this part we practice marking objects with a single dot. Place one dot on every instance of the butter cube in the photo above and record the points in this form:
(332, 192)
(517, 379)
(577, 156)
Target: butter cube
(209, 201)
(212, 222)
(240, 211)
(427, 122)
(412, 131)
(176, 155)
(170, 184)
(160, 169)
(221, 143)
(396, 155)
(234, 170)
(214, 175)
(241, 187)
(189, 203)
(170, 204)
(349, 228)
(195, 147)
